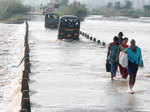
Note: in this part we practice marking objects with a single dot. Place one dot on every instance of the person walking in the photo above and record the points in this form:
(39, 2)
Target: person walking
(120, 37)
(112, 56)
(134, 62)
(123, 46)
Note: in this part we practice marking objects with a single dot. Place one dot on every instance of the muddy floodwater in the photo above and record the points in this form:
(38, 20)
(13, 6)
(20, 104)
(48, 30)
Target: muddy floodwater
(71, 76)
(11, 52)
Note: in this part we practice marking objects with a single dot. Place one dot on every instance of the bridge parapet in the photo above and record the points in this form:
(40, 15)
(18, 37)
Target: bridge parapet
(25, 101)
(87, 36)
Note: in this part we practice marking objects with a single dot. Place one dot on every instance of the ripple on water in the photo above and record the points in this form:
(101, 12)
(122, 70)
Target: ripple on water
(77, 81)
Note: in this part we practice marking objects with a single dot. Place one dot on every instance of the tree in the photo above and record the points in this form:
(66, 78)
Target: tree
(128, 4)
(11, 7)
(117, 5)
(110, 5)
(147, 10)
(78, 9)
(75, 8)
(64, 2)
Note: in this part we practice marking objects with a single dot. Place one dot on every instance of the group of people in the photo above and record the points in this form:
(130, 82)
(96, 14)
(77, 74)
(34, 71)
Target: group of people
(132, 58)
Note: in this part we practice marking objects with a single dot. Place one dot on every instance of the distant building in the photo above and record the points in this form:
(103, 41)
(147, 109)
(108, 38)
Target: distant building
(147, 10)
(138, 4)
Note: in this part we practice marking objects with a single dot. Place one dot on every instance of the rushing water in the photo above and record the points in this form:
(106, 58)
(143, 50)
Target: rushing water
(11, 52)
(71, 77)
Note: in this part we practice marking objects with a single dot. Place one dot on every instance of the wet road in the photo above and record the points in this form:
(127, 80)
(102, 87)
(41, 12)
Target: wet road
(71, 77)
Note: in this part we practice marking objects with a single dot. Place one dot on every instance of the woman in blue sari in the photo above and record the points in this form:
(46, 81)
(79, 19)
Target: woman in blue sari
(134, 62)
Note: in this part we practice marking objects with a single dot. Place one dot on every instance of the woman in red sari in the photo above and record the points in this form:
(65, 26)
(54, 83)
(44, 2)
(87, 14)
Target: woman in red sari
(123, 71)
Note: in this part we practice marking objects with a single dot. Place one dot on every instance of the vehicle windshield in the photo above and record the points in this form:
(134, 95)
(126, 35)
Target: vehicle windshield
(70, 23)
(54, 16)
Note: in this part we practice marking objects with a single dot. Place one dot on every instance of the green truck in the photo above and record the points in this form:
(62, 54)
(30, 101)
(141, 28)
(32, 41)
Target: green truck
(69, 28)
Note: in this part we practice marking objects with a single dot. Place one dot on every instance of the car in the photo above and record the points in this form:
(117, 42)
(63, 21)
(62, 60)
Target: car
(51, 20)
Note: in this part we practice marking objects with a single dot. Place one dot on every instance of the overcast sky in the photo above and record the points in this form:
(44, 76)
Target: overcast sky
(93, 3)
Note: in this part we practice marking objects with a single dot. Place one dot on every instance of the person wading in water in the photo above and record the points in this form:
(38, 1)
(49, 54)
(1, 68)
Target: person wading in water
(120, 38)
(123, 46)
(134, 62)
(112, 56)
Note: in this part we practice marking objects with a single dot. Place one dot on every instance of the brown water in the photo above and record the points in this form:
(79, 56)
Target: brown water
(11, 44)
(71, 77)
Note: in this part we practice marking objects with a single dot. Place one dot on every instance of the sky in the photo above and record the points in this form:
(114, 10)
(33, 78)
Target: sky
(94, 3)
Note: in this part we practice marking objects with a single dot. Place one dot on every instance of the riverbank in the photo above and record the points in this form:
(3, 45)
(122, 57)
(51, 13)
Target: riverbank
(15, 19)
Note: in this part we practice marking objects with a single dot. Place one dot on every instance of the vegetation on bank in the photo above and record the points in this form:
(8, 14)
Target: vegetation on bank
(75, 8)
(12, 9)
(64, 7)
(119, 9)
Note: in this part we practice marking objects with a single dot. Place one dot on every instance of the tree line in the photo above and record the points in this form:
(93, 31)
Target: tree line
(75, 8)
(122, 9)
(9, 8)
(64, 7)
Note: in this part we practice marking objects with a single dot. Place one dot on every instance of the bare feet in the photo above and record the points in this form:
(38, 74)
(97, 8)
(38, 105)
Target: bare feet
(131, 91)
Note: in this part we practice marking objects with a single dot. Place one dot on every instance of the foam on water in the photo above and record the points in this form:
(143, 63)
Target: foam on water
(11, 95)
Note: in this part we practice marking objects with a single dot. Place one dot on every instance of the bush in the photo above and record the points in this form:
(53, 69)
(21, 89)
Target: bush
(10, 8)
(76, 8)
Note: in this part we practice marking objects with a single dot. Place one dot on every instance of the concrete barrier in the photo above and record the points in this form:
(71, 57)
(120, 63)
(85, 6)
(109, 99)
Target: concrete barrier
(25, 102)
(88, 36)
(25, 85)
(94, 39)
(83, 33)
(103, 44)
(91, 38)
(99, 42)
(25, 75)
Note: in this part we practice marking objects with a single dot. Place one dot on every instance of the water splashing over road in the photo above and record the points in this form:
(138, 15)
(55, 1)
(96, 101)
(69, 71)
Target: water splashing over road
(71, 77)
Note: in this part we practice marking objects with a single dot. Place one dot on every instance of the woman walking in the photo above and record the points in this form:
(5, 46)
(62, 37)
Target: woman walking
(123, 70)
(134, 62)
(112, 56)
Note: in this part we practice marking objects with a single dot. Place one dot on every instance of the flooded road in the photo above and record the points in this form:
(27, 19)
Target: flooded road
(71, 77)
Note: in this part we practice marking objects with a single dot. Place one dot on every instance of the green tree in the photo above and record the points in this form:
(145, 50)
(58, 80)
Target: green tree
(110, 5)
(64, 2)
(128, 4)
(78, 9)
(11, 7)
(75, 8)
(117, 5)
(147, 10)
